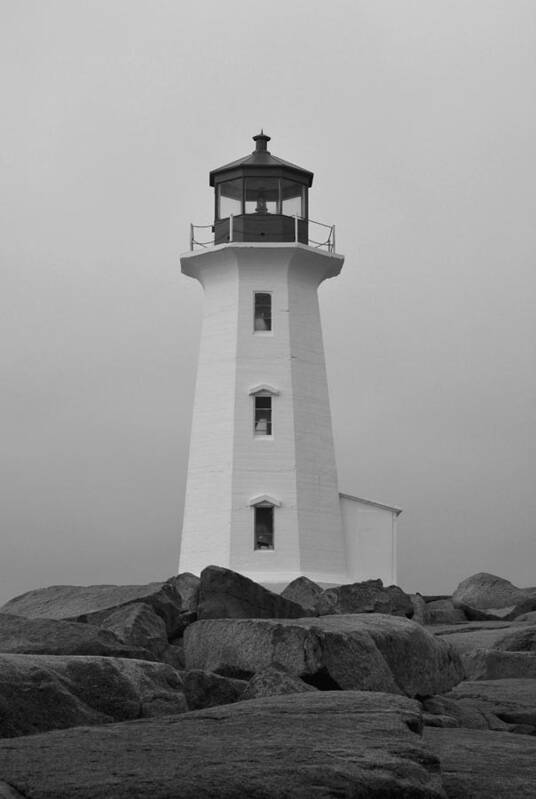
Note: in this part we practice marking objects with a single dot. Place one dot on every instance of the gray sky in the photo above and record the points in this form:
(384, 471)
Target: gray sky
(418, 118)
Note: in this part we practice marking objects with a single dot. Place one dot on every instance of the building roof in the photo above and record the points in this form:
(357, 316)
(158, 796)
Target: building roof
(394, 508)
(261, 158)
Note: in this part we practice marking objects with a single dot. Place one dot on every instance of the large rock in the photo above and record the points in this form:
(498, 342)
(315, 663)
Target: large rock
(93, 603)
(495, 651)
(139, 626)
(443, 611)
(303, 592)
(445, 711)
(363, 651)
(275, 681)
(365, 597)
(520, 639)
(206, 689)
(526, 618)
(485, 590)
(419, 608)
(40, 692)
(187, 586)
(301, 746)
(225, 594)
(51, 637)
(486, 596)
(513, 701)
(494, 664)
(508, 704)
(174, 655)
(480, 764)
(496, 614)
(473, 635)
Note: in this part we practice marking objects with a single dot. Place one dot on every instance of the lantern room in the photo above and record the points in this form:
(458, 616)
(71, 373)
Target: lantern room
(261, 198)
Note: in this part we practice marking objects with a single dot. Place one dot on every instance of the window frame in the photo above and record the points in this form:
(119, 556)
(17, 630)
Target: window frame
(218, 215)
(302, 198)
(242, 200)
(270, 532)
(270, 418)
(270, 331)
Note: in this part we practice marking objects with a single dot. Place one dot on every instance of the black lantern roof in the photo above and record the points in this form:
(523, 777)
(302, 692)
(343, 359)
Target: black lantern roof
(261, 163)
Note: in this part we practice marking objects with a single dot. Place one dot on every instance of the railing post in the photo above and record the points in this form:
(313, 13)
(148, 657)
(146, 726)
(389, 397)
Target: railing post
(191, 236)
(295, 228)
(230, 227)
(333, 238)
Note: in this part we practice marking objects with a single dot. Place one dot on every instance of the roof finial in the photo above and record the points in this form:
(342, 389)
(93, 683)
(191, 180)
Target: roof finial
(261, 140)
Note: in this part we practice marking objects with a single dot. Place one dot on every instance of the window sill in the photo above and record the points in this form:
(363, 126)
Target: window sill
(263, 333)
(260, 437)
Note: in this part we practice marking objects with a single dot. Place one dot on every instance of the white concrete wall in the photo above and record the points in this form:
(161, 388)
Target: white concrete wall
(228, 464)
(320, 525)
(370, 533)
(264, 465)
(206, 526)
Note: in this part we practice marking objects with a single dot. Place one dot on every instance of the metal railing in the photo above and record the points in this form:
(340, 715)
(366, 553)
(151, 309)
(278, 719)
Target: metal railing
(328, 244)
(194, 242)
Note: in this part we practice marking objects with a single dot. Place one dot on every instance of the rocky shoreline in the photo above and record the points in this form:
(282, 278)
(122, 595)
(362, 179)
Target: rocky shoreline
(216, 687)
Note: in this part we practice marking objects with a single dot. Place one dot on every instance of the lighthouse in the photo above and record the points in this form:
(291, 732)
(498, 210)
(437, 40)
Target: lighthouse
(262, 494)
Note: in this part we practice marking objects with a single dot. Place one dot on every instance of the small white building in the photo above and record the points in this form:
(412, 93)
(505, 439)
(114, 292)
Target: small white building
(262, 495)
(370, 532)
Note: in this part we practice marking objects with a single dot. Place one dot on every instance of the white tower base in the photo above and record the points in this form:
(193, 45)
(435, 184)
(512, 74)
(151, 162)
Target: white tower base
(231, 469)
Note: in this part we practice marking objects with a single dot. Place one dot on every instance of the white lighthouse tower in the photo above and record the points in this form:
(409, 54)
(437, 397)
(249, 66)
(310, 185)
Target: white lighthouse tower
(262, 495)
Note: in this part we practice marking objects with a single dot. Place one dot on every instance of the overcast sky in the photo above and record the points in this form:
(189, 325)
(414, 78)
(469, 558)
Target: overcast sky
(418, 118)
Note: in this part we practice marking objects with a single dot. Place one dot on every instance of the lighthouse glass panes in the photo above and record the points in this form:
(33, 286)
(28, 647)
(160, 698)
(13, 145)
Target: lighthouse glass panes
(292, 198)
(264, 527)
(262, 196)
(262, 315)
(263, 415)
(229, 198)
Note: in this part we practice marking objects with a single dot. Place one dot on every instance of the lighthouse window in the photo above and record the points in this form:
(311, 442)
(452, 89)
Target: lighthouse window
(292, 198)
(263, 311)
(264, 527)
(229, 198)
(262, 195)
(263, 415)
